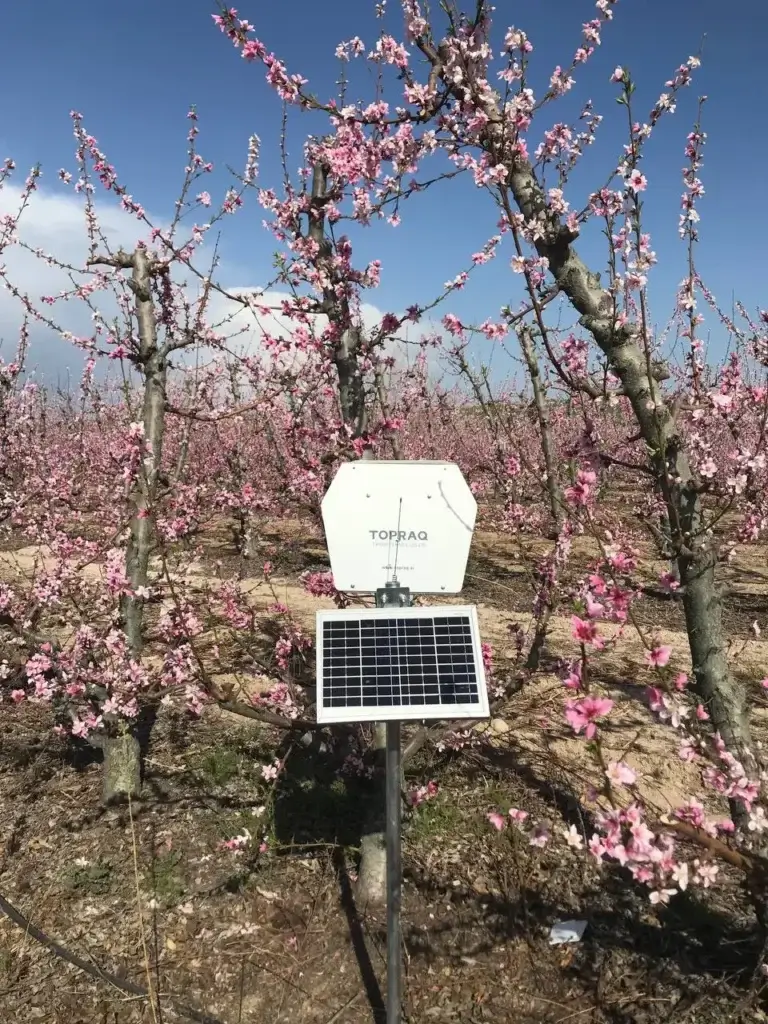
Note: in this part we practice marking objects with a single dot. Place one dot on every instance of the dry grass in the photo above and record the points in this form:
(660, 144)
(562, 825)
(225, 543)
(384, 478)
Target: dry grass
(276, 937)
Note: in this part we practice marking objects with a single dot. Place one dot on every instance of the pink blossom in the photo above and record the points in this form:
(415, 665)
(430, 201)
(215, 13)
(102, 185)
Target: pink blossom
(658, 656)
(669, 582)
(723, 402)
(662, 896)
(595, 610)
(637, 181)
(620, 774)
(540, 837)
(497, 820)
(706, 872)
(573, 678)
(581, 492)
(583, 714)
(586, 632)
(692, 812)
(687, 750)
(573, 837)
(680, 875)
(418, 796)
(598, 585)
(237, 843)
(622, 560)
(597, 847)
(757, 820)
(487, 651)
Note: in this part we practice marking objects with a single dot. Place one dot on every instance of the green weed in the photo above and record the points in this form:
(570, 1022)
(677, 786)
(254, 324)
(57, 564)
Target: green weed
(92, 877)
(220, 765)
(164, 878)
(436, 818)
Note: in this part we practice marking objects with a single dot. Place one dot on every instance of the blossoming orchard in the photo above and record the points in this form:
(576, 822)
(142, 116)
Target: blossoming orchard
(621, 480)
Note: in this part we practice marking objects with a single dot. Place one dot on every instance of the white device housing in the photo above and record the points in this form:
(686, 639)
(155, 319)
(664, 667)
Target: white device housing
(412, 521)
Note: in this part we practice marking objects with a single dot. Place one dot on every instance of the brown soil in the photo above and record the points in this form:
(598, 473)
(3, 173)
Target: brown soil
(148, 895)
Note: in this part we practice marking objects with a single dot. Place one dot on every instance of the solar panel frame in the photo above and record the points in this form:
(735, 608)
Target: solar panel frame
(344, 663)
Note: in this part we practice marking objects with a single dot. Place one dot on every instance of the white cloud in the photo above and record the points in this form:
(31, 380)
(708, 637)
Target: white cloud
(249, 328)
(54, 223)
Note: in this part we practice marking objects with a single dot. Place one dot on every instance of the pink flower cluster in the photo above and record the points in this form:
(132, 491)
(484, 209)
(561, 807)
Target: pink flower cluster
(419, 794)
(278, 699)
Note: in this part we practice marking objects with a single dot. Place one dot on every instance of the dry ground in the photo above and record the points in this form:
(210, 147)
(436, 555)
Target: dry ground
(277, 937)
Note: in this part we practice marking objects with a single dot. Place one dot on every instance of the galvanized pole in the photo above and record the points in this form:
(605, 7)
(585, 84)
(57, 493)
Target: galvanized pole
(393, 595)
(394, 874)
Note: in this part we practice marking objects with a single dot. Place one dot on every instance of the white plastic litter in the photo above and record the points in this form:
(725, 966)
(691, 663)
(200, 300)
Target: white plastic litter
(566, 931)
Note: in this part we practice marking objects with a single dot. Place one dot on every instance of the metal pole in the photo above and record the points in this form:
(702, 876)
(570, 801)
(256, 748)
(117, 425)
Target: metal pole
(393, 595)
(394, 874)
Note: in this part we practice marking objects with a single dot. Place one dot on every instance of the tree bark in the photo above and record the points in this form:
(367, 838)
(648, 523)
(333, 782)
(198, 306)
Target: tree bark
(723, 696)
(556, 503)
(121, 772)
(125, 747)
(625, 353)
(349, 337)
(372, 876)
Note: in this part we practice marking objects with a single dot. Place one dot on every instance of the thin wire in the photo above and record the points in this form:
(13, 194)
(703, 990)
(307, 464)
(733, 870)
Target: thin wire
(397, 545)
(389, 555)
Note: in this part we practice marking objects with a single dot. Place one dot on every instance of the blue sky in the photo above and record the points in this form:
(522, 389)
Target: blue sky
(133, 70)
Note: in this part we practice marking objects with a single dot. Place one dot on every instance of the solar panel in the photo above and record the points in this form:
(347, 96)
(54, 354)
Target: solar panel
(381, 664)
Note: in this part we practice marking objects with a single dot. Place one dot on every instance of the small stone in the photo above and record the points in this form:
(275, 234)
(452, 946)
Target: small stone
(499, 725)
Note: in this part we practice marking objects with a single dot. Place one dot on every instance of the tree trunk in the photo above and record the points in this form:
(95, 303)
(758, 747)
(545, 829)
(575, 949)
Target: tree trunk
(556, 502)
(121, 772)
(723, 696)
(372, 877)
(124, 748)
(624, 349)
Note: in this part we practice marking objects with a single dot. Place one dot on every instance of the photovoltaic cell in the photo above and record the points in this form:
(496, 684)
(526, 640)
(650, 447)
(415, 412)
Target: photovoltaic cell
(404, 663)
